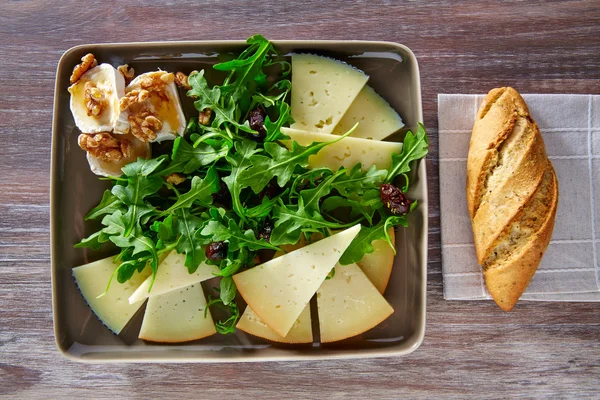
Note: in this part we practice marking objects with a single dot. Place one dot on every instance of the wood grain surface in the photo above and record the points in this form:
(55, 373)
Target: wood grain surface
(471, 349)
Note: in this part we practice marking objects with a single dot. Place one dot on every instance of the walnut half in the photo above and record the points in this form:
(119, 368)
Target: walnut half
(181, 80)
(127, 72)
(87, 62)
(204, 116)
(145, 125)
(133, 97)
(175, 178)
(104, 146)
(95, 101)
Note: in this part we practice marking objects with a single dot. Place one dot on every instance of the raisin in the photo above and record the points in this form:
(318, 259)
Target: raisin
(222, 196)
(271, 190)
(216, 251)
(393, 199)
(265, 233)
(256, 118)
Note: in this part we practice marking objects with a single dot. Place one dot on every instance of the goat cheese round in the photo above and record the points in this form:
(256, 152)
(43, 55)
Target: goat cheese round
(95, 99)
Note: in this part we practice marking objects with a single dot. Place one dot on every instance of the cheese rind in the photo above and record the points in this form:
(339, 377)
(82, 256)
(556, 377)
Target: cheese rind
(177, 316)
(322, 90)
(172, 274)
(376, 118)
(345, 153)
(378, 264)
(349, 304)
(300, 332)
(113, 308)
(279, 290)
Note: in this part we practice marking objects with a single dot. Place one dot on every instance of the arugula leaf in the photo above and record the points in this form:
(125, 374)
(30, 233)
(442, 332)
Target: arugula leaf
(200, 192)
(273, 129)
(414, 148)
(188, 226)
(108, 205)
(363, 242)
(338, 203)
(140, 185)
(94, 241)
(143, 167)
(248, 70)
(116, 227)
(281, 164)
(187, 158)
(166, 230)
(127, 268)
(291, 221)
(264, 208)
(240, 162)
(228, 326)
(356, 181)
(228, 290)
(268, 101)
(308, 179)
(235, 260)
(223, 109)
(311, 197)
(233, 235)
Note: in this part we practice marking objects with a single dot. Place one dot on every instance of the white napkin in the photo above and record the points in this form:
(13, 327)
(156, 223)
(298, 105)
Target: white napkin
(570, 126)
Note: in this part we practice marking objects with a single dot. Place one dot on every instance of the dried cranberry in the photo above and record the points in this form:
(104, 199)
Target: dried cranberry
(256, 118)
(265, 233)
(393, 199)
(271, 190)
(222, 196)
(216, 251)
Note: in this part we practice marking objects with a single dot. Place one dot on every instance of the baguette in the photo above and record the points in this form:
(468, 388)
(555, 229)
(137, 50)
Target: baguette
(512, 194)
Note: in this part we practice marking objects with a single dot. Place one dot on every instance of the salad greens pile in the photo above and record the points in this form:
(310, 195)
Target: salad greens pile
(241, 188)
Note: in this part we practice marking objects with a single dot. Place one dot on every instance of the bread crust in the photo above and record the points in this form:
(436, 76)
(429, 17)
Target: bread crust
(512, 194)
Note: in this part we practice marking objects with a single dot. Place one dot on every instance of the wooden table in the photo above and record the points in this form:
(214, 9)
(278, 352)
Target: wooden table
(470, 348)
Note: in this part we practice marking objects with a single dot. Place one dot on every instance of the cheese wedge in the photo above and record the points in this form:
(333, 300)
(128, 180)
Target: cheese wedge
(172, 274)
(322, 90)
(300, 332)
(112, 309)
(345, 153)
(378, 264)
(349, 304)
(279, 290)
(376, 118)
(177, 316)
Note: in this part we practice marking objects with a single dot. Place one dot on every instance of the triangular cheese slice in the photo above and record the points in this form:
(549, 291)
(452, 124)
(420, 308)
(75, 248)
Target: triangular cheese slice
(300, 332)
(177, 316)
(345, 153)
(172, 274)
(322, 90)
(378, 264)
(279, 290)
(112, 309)
(349, 304)
(376, 118)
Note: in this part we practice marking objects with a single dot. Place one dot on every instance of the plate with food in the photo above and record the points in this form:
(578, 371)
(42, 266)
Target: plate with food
(238, 201)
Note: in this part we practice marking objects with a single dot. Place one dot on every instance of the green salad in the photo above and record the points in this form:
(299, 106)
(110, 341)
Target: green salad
(229, 193)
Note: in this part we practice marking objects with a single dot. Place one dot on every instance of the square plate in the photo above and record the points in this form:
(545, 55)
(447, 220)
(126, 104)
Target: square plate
(75, 190)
